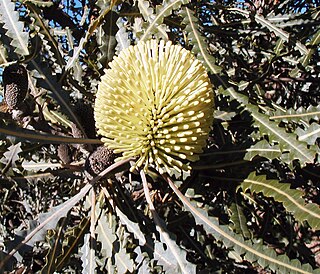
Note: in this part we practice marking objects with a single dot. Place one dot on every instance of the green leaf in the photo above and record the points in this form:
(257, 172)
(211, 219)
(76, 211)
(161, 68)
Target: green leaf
(291, 148)
(88, 256)
(288, 143)
(11, 155)
(72, 238)
(10, 18)
(239, 220)
(45, 222)
(278, 31)
(37, 137)
(290, 198)
(105, 231)
(154, 21)
(46, 34)
(299, 116)
(106, 38)
(199, 48)
(310, 135)
(263, 149)
(263, 255)
(304, 61)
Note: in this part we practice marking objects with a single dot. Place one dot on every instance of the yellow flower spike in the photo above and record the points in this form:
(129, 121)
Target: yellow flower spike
(155, 103)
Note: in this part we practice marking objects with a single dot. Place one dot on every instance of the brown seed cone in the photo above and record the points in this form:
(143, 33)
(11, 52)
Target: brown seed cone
(99, 160)
(64, 153)
(15, 82)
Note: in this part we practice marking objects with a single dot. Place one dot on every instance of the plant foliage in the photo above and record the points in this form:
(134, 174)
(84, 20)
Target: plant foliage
(250, 204)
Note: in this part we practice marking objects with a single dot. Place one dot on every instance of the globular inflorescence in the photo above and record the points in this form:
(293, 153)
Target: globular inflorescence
(155, 103)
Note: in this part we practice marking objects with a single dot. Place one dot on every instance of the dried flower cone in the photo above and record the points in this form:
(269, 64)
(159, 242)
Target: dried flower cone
(99, 160)
(15, 82)
(155, 103)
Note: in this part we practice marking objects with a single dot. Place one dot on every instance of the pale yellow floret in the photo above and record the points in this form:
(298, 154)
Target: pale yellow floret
(155, 103)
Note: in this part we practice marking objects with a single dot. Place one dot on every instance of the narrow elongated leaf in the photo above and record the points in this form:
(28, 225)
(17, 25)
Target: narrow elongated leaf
(88, 256)
(263, 149)
(72, 238)
(256, 252)
(106, 38)
(32, 136)
(288, 143)
(54, 240)
(45, 33)
(46, 221)
(198, 41)
(132, 227)
(290, 198)
(155, 20)
(239, 220)
(278, 31)
(304, 61)
(291, 148)
(51, 83)
(178, 262)
(299, 115)
(3, 54)
(10, 18)
(39, 166)
(105, 231)
(310, 135)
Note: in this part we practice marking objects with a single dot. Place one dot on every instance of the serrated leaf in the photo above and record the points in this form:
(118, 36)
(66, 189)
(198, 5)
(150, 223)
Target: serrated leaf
(11, 155)
(290, 198)
(45, 222)
(122, 36)
(46, 34)
(310, 135)
(263, 149)
(54, 240)
(304, 61)
(155, 20)
(124, 262)
(106, 38)
(39, 165)
(15, 29)
(239, 220)
(105, 231)
(288, 143)
(132, 227)
(199, 48)
(291, 148)
(88, 256)
(71, 239)
(173, 253)
(299, 115)
(278, 31)
(256, 252)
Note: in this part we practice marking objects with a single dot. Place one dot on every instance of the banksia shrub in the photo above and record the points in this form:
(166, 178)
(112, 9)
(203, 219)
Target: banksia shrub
(99, 160)
(155, 103)
(15, 82)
